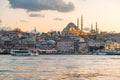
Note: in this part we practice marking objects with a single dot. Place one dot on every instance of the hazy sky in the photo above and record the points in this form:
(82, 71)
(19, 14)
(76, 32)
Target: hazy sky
(48, 15)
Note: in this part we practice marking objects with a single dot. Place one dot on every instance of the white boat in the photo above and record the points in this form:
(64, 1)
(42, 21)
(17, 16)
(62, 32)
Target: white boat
(20, 52)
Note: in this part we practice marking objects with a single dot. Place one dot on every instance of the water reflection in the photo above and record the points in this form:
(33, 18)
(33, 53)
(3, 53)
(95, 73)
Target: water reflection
(58, 67)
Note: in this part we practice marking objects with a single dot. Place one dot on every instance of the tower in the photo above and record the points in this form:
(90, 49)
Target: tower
(91, 27)
(35, 30)
(81, 23)
(96, 28)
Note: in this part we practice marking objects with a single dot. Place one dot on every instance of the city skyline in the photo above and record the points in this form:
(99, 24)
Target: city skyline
(48, 15)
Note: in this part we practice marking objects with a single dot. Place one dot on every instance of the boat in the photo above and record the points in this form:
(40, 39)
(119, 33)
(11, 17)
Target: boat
(20, 52)
(106, 52)
(98, 52)
(34, 52)
(111, 52)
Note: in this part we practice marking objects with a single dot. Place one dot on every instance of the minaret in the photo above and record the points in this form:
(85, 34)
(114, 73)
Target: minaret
(96, 28)
(35, 30)
(91, 27)
(81, 23)
(78, 22)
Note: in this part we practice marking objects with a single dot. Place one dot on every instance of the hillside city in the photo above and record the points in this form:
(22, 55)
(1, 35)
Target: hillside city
(71, 40)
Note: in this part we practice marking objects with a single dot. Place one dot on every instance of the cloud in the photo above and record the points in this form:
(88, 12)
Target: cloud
(23, 21)
(82, 0)
(58, 19)
(36, 15)
(40, 5)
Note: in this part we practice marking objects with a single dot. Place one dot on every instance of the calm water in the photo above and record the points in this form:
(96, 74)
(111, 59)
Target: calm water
(60, 67)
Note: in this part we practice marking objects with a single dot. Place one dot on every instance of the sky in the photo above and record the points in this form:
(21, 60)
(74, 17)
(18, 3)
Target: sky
(50, 15)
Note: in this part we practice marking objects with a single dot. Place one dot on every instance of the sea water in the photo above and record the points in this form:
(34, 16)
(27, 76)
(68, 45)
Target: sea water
(60, 67)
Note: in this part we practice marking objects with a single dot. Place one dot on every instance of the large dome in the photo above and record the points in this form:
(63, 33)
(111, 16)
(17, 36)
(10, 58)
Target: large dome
(70, 30)
(69, 26)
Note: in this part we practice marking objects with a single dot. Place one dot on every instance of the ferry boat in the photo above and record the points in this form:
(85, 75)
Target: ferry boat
(20, 52)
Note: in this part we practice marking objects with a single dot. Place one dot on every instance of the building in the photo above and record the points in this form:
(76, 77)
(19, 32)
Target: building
(74, 45)
(110, 45)
(83, 46)
(65, 46)
(72, 30)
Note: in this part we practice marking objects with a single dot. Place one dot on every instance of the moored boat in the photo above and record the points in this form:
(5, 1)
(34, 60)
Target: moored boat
(20, 52)
(106, 52)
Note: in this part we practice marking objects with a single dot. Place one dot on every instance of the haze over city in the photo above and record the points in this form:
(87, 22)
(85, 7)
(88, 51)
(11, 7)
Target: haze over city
(48, 15)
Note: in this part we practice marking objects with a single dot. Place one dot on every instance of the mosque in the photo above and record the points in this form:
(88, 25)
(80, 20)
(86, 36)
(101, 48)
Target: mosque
(72, 30)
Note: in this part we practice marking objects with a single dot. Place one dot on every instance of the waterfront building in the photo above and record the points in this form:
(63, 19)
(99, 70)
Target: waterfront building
(74, 45)
(111, 45)
(65, 46)
(47, 44)
(83, 46)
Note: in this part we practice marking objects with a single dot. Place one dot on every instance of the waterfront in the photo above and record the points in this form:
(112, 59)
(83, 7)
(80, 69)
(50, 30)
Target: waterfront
(60, 67)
